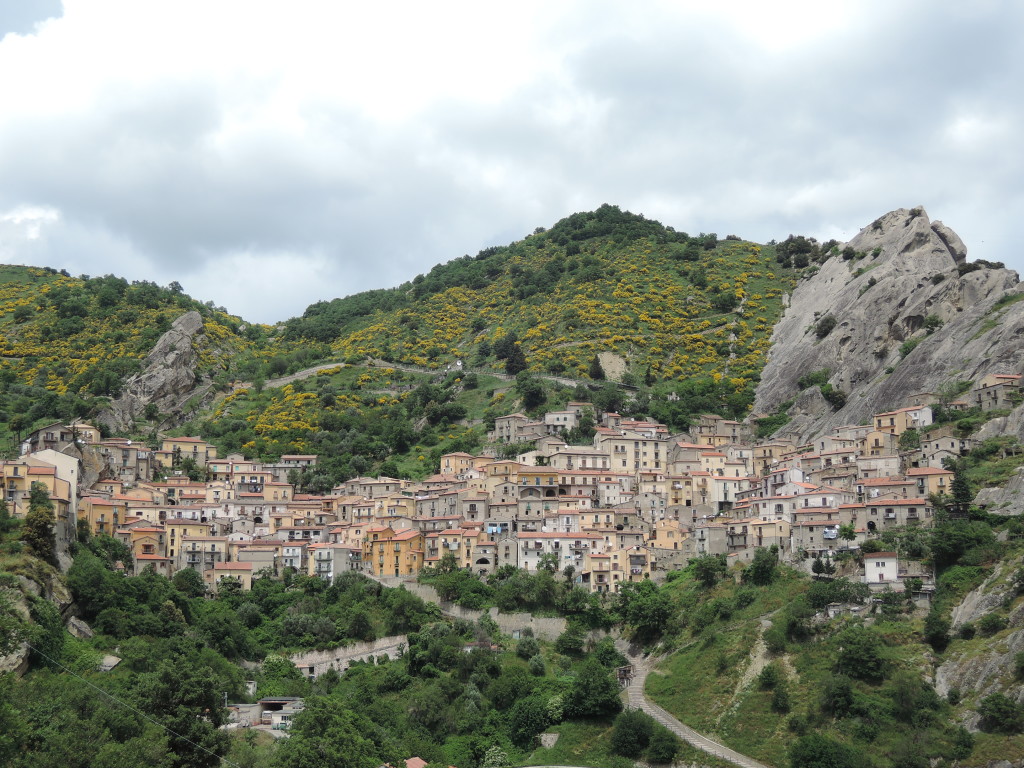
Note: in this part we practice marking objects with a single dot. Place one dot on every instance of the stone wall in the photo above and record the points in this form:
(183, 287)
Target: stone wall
(340, 658)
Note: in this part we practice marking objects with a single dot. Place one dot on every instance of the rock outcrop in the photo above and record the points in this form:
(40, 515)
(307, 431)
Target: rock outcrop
(987, 665)
(907, 286)
(168, 378)
(1007, 500)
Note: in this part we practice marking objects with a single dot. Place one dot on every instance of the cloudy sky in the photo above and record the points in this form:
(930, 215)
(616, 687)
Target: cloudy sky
(268, 155)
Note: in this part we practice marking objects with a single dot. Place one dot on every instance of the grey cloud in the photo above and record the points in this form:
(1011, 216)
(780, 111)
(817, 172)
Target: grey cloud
(688, 123)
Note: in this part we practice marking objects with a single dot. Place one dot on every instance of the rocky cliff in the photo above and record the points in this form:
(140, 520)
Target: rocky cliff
(168, 378)
(908, 282)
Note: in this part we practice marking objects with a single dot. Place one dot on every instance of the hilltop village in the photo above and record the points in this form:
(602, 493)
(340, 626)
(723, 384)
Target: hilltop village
(636, 503)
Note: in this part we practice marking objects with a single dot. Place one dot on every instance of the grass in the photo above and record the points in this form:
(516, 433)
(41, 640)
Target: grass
(589, 743)
(990, 747)
(580, 743)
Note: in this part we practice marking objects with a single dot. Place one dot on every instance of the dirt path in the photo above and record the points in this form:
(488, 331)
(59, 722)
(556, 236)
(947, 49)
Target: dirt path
(635, 693)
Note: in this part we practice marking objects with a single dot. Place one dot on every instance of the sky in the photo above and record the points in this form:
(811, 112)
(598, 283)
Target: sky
(268, 155)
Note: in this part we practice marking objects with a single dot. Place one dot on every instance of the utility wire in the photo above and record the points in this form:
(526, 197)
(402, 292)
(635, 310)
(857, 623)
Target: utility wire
(128, 706)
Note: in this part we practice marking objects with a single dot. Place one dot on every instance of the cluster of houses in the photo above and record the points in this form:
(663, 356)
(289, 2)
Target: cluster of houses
(635, 503)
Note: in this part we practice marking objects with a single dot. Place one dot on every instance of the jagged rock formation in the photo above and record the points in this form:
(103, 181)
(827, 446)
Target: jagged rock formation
(168, 378)
(907, 277)
(1007, 500)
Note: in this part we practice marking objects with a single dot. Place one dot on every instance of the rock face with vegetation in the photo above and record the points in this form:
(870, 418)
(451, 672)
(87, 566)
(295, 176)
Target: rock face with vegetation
(895, 312)
(168, 377)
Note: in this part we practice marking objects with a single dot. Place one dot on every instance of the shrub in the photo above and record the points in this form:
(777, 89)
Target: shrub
(632, 732)
(814, 750)
(991, 623)
(908, 346)
(837, 696)
(775, 640)
(1000, 714)
(770, 677)
(537, 665)
(824, 326)
(527, 648)
(780, 699)
(663, 745)
(814, 379)
(860, 655)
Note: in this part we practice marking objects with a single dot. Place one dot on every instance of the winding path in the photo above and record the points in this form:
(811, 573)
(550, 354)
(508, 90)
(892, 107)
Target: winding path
(637, 700)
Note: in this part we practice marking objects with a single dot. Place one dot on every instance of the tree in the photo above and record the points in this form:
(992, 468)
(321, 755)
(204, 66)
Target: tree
(503, 347)
(39, 524)
(516, 361)
(708, 569)
(910, 440)
(632, 732)
(1000, 714)
(644, 607)
(530, 389)
(663, 746)
(186, 699)
(594, 692)
(813, 750)
(764, 566)
(327, 734)
(595, 371)
(860, 654)
(527, 718)
(847, 532)
(7, 522)
(189, 582)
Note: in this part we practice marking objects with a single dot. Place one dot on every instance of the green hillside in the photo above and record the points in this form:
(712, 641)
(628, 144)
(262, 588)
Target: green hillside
(606, 281)
(67, 343)
(760, 665)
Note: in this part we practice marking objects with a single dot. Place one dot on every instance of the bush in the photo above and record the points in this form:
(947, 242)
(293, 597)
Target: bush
(814, 750)
(780, 699)
(991, 623)
(527, 648)
(663, 745)
(908, 346)
(837, 696)
(775, 640)
(537, 666)
(860, 655)
(632, 732)
(1000, 714)
(824, 326)
(813, 379)
(770, 677)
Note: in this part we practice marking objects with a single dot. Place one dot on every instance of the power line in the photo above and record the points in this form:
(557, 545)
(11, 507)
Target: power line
(127, 706)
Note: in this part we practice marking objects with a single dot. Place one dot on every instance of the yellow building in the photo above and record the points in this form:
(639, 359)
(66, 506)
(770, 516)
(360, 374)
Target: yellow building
(178, 528)
(390, 553)
(104, 516)
(175, 449)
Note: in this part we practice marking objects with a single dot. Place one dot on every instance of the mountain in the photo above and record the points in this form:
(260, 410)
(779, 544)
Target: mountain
(895, 312)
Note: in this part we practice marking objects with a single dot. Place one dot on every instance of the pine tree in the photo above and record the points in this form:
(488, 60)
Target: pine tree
(596, 371)
(516, 361)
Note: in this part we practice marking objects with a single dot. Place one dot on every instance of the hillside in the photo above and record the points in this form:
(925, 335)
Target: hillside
(68, 344)
(602, 282)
